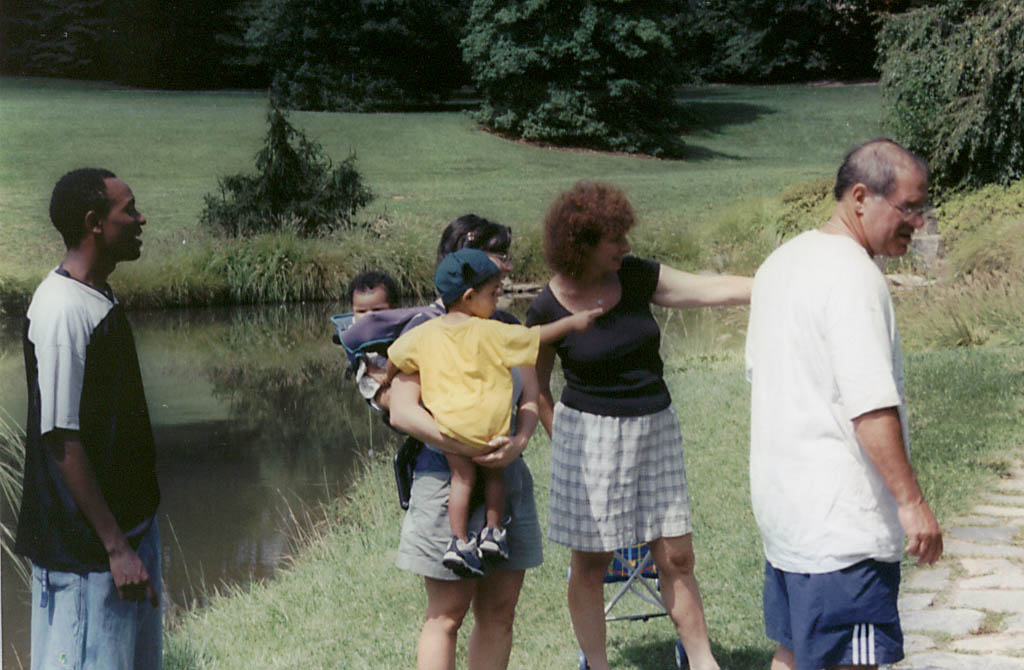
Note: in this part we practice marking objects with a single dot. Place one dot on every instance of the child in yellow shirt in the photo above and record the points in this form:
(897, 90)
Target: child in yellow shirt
(463, 359)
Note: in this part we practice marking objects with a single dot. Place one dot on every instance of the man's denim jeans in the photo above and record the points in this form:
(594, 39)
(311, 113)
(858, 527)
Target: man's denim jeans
(80, 623)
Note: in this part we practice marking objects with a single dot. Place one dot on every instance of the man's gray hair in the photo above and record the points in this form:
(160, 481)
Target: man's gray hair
(874, 164)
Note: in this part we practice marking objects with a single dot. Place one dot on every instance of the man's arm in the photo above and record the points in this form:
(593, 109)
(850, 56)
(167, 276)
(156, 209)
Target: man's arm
(880, 434)
(130, 575)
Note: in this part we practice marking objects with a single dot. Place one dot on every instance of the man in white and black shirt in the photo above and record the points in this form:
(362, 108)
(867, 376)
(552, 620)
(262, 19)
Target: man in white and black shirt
(88, 514)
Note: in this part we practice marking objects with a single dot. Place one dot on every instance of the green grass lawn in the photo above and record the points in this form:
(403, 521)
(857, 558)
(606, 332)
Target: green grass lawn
(342, 604)
(744, 143)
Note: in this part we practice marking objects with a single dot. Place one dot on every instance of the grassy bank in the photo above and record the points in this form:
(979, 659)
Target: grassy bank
(745, 143)
(342, 604)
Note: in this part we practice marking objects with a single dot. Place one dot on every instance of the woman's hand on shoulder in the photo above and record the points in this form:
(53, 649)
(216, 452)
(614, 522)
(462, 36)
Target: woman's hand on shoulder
(506, 449)
(685, 289)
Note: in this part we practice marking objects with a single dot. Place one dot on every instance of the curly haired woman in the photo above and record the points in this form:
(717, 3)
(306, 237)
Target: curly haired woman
(617, 475)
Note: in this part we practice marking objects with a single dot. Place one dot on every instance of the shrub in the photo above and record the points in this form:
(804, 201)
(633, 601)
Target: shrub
(963, 214)
(587, 73)
(953, 89)
(294, 188)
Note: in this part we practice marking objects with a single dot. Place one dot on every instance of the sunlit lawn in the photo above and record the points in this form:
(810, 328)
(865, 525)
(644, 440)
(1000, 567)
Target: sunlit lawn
(345, 605)
(744, 142)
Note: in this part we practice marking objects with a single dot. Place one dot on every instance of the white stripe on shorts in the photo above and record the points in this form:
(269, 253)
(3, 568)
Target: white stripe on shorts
(863, 644)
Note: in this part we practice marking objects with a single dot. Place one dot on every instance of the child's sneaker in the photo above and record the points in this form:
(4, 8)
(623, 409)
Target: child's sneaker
(464, 558)
(493, 543)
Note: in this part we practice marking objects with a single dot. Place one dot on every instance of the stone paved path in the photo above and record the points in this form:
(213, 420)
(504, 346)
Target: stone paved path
(967, 611)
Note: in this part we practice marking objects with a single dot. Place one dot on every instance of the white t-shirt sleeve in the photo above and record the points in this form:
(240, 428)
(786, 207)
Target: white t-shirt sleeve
(60, 338)
(860, 336)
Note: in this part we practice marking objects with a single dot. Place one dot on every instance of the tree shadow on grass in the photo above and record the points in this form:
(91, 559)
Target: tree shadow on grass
(704, 116)
(687, 151)
(658, 655)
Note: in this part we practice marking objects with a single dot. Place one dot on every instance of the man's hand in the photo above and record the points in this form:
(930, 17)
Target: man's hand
(129, 574)
(131, 577)
(924, 537)
(880, 434)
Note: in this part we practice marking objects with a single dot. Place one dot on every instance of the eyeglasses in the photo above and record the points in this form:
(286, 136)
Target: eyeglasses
(908, 213)
(504, 258)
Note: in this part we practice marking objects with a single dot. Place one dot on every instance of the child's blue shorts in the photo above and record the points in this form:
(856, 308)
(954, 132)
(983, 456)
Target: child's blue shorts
(846, 617)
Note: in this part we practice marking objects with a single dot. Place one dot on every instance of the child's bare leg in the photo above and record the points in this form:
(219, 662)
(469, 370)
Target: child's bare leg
(494, 495)
(463, 475)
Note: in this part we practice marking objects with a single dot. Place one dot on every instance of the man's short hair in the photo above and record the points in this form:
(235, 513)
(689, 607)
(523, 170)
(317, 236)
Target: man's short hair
(874, 164)
(76, 194)
(371, 279)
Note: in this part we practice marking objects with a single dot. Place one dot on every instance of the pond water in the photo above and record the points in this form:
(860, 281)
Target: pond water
(254, 425)
(253, 422)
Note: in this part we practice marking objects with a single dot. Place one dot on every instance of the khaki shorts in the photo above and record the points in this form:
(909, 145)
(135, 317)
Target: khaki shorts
(426, 531)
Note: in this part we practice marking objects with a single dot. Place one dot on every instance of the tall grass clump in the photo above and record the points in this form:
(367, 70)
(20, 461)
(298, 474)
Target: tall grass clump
(12, 460)
(279, 267)
(982, 308)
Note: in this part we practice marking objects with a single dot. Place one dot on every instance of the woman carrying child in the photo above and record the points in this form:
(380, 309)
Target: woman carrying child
(617, 475)
(464, 360)
(426, 529)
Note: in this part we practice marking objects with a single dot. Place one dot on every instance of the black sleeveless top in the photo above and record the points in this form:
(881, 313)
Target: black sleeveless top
(614, 368)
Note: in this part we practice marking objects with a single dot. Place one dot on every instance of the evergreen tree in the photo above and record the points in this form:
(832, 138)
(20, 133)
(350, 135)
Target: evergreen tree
(295, 186)
(591, 73)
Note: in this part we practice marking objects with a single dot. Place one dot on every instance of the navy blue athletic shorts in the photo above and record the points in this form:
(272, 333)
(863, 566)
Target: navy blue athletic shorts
(846, 617)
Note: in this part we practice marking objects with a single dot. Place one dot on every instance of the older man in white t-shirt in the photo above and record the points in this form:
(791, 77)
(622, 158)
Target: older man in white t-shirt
(832, 487)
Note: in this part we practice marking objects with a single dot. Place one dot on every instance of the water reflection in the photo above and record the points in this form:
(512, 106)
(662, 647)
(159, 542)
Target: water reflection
(253, 421)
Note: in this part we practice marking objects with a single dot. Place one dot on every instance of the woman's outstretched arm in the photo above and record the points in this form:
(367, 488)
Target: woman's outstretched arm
(685, 289)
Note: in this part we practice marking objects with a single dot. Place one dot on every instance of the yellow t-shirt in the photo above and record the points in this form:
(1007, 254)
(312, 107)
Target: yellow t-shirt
(464, 372)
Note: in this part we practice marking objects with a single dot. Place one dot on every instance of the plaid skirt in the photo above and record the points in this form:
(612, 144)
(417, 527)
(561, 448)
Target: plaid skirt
(616, 481)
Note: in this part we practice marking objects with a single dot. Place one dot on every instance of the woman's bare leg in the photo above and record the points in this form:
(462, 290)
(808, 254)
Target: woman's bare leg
(674, 558)
(586, 604)
(447, 604)
(494, 609)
